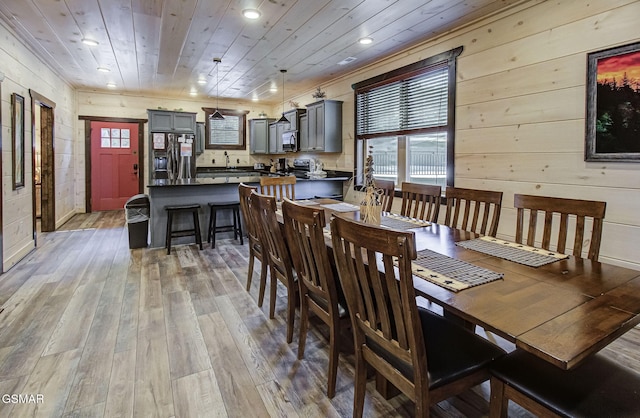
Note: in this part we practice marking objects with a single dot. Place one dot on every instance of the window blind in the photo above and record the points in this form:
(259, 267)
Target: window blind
(225, 131)
(413, 104)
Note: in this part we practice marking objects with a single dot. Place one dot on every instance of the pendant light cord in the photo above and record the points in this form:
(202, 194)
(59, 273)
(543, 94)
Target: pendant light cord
(217, 115)
(283, 119)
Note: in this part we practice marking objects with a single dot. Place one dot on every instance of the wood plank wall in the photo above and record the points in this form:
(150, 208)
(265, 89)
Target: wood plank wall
(23, 71)
(520, 109)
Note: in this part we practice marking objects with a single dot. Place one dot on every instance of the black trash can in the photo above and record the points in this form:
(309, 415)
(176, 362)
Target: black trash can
(137, 210)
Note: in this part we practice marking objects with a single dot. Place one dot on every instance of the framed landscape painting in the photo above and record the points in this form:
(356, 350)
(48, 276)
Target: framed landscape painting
(613, 104)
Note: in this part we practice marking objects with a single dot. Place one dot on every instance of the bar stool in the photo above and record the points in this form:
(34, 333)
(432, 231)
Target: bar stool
(171, 233)
(236, 227)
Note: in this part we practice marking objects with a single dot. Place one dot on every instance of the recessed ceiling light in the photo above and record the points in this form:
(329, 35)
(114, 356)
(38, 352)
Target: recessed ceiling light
(273, 89)
(365, 41)
(251, 13)
(90, 42)
(111, 85)
(193, 93)
(347, 60)
(103, 69)
(202, 81)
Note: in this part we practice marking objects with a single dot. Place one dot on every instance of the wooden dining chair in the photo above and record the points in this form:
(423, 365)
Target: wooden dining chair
(599, 387)
(423, 354)
(388, 188)
(263, 210)
(560, 209)
(255, 246)
(464, 207)
(421, 201)
(279, 187)
(320, 291)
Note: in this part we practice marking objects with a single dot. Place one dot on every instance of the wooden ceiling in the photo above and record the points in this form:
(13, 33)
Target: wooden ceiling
(163, 47)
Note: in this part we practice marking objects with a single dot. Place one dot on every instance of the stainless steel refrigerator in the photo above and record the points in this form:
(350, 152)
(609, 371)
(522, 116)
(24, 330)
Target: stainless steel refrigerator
(173, 156)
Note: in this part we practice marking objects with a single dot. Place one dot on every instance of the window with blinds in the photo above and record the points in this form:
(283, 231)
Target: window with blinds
(228, 133)
(414, 104)
(405, 119)
(225, 131)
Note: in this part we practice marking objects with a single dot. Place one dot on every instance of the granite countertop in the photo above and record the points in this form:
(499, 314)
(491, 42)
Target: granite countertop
(240, 177)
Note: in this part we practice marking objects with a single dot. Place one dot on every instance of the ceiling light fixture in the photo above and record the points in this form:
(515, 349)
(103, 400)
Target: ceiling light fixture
(217, 115)
(251, 14)
(103, 69)
(202, 81)
(283, 119)
(89, 42)
(111, 85)
(365, 41)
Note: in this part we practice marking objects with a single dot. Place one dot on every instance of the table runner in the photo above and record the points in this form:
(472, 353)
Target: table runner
(450, 273)
(341, 207)
(402, 223)
(512, 251)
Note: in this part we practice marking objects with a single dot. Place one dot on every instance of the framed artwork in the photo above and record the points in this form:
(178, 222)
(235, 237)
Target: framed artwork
(613, 104)
(17, 140)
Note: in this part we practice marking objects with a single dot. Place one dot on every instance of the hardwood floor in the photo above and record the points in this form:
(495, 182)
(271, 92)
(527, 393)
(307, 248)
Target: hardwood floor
(100, 330)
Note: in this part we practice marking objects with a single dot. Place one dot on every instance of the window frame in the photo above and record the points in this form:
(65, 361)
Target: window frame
(448, 58)
(242, 130)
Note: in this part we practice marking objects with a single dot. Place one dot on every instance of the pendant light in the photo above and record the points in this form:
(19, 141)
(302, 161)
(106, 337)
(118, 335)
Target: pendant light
(283, 119)
(217, 115)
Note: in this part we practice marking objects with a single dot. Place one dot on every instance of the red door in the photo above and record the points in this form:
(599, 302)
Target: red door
(114, 164)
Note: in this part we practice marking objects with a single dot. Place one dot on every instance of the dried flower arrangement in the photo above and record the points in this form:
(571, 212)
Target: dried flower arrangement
(370, 206)
(318, 94)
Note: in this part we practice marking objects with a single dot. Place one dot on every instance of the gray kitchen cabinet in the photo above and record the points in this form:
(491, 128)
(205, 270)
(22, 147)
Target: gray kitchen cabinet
(304, 133)
(259, 135)
(170, 121)
(293, 116)
(324, 120)
(199, 138)
(275, 137)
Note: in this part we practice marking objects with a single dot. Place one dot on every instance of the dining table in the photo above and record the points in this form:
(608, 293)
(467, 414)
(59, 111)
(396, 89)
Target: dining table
(563, 311)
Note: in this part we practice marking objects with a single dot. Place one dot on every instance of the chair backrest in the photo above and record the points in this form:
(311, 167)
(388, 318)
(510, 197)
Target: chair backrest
(244, 191)
(464, 207)
(279, 187)
(263, 210)
(565, 208)
(304, 229)
(388, 188)
(381, 301)
(421, 201)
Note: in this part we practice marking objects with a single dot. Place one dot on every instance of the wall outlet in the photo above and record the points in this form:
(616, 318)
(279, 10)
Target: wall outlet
(213, 161)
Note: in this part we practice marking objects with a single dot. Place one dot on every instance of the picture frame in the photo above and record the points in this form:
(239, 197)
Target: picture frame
(613, 104)
(17, 140)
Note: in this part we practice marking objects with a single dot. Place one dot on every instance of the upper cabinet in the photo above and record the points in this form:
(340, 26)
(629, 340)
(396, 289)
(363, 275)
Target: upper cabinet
(169, 121)
(199, 138)
(324, 132)
(259, 135)
(293, 116)
(275, 137)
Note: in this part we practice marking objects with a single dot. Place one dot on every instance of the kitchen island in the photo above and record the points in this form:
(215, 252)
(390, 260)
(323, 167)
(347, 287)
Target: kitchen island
(218, 189)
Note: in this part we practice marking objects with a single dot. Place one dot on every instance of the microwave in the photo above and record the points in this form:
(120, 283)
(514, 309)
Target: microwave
(290, 141)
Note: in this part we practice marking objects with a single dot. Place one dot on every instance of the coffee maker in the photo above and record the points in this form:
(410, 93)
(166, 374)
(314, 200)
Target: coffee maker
(282, 164)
